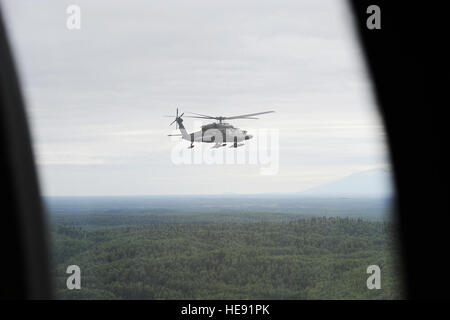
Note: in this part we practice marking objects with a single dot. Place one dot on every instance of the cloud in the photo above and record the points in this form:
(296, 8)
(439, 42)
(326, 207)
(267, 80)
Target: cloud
(96, 97)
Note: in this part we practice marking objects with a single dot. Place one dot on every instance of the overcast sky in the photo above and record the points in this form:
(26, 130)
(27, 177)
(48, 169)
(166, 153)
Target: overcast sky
(96, 96)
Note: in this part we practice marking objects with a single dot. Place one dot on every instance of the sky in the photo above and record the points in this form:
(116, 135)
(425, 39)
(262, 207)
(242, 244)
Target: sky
(96, 96)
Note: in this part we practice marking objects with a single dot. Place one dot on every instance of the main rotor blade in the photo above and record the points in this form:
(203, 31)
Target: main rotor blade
(203, 115)
(247, 115)
(199, 117)
(218, 118)
(235, 118)
(243, 116)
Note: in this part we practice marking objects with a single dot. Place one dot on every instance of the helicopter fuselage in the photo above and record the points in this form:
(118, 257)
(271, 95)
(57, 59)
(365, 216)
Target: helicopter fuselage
(219, 133)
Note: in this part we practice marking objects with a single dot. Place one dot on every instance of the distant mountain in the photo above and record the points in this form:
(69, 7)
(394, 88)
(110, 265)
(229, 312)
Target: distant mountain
(370, 183)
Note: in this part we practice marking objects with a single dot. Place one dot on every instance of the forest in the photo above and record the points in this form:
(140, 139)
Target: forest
(211, 256)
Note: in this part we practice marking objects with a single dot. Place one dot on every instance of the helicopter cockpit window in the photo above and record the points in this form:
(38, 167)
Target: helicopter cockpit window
(207, 149)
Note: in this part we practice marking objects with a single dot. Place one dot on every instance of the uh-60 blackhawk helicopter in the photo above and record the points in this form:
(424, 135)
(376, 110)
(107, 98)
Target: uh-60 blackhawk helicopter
(217, 132)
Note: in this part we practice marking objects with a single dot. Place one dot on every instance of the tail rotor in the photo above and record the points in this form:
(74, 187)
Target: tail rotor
(176, 119)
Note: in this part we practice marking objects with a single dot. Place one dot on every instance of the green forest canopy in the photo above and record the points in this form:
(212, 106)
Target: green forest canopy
(247, 256)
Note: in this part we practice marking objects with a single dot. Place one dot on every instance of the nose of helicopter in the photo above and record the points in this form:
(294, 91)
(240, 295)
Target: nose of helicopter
(248, 137)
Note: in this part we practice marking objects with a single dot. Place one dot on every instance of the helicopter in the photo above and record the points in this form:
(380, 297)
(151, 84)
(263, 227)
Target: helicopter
(219, 133)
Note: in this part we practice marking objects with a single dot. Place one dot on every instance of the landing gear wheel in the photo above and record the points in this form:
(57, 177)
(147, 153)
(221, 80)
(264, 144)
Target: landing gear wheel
(235, 142)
